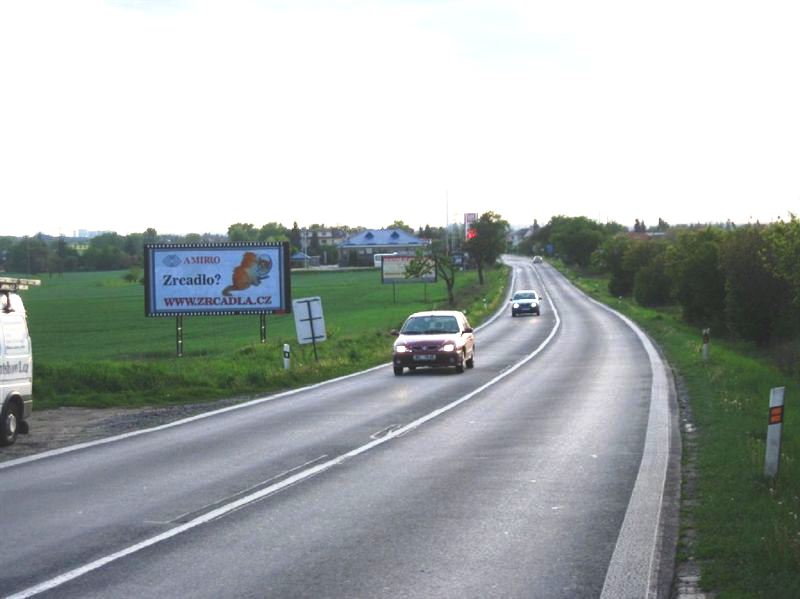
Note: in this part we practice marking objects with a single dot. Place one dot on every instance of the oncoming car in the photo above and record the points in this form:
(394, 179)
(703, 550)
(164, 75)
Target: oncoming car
(537, 259)
(525, 301)
(438, 338)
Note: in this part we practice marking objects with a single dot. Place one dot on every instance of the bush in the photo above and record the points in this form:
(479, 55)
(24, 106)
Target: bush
(652, 286)
(757, 302)
(692, 264)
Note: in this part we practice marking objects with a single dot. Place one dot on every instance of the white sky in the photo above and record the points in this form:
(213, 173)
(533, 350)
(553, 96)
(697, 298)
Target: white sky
(188, 116)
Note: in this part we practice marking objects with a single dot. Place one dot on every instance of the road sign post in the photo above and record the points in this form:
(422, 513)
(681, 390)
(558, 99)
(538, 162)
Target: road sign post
(309, 321)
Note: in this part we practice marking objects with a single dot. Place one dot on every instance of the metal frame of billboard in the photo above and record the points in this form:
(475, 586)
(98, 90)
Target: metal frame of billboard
(397, 268)
(217, 279)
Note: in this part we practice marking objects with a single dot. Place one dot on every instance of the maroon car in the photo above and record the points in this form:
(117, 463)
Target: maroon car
(438, 338)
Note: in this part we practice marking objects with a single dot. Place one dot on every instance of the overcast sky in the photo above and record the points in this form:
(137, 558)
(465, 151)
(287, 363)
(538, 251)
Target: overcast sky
(188, 116)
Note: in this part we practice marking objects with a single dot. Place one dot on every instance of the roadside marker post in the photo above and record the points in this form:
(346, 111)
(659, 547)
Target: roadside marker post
(774, 431)
(706, 339)
(287, 356)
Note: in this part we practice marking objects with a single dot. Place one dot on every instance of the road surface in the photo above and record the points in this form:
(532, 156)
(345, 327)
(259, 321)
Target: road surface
(545, 471)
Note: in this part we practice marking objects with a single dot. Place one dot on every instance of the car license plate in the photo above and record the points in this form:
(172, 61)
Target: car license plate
(424, 358)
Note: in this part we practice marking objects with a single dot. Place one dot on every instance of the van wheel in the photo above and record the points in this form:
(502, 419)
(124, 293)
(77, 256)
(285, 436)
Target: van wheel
(9, 424)
(398, 370)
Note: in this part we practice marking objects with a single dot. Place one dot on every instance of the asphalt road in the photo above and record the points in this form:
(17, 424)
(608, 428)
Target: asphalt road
(543, 472)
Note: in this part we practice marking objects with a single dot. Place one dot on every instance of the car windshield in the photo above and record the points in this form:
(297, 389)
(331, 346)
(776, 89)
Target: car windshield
(427, 325)
(524, 295)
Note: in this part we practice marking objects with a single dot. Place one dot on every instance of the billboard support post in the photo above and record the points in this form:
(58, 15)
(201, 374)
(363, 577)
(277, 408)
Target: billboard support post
(263, 328)
(179, 335)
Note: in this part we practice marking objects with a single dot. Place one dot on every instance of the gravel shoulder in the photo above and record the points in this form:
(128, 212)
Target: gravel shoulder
(62, 427)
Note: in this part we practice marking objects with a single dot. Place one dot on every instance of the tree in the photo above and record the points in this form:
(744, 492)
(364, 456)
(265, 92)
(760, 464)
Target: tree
(436, 260)
(692, 264)
(783, 254)
(29, 255)
(651, 284)
(610, 257)
(294, 238)
(273, 232)
(398, 224)
(757, 302)
(488, 242)
(242, 232)
(107, 252)
(313, 245)
(576, 238)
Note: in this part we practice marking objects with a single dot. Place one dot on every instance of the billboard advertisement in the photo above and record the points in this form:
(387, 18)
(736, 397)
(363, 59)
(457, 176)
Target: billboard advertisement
(213, 279)
(469, 219)
(393, 270)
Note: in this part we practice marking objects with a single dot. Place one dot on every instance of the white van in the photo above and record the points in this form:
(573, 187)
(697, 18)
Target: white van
(16, 361)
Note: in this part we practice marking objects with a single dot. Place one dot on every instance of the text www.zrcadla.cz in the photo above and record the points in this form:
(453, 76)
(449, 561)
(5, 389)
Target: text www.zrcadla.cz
(194, 302)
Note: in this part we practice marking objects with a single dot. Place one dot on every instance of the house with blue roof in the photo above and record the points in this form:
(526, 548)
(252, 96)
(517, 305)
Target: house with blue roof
(359, 249)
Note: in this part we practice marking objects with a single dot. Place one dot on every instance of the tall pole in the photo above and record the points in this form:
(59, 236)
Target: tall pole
(447, 222)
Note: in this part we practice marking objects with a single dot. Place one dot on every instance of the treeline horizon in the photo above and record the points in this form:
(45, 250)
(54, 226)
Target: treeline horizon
(738, 281)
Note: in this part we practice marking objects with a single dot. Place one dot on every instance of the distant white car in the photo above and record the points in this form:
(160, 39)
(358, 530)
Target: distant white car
(525, 301)
(537, 260)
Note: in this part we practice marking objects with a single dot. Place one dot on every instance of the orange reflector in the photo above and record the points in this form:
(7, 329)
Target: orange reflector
(776, 415)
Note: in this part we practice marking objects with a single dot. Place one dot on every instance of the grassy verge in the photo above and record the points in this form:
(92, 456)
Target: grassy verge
(93, 346)
(748, 528)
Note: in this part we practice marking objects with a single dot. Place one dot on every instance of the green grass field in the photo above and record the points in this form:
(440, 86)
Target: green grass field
(748, 526)
(93, 346)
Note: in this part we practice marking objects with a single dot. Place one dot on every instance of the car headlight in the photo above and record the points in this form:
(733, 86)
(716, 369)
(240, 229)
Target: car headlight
(516, 305)
(400, 349)
(448, 347)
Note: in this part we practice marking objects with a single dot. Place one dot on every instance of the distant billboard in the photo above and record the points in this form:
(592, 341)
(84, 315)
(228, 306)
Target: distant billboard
(214, 279)
(469, 219)
(393, 270)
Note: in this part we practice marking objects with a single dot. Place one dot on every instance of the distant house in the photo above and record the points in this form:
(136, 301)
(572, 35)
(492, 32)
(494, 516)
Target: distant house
(358, 249)
(303, 260)
(325, 236)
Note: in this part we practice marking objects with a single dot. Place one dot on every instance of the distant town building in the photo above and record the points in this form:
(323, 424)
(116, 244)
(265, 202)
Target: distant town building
(358, 249)
(84, 234)
(329, 237)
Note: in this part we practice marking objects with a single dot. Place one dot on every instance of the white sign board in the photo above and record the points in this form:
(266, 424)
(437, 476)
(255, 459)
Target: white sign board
(394, 271)
(309, 320)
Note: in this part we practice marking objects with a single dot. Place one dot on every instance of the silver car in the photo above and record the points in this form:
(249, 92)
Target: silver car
(525, 301)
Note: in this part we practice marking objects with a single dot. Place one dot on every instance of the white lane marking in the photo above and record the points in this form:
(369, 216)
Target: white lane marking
(634, 564)
(280, 485)
(253, 402)
(258, 485)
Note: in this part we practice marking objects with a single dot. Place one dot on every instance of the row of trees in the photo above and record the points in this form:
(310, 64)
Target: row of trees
(111, 251)
(743, 280)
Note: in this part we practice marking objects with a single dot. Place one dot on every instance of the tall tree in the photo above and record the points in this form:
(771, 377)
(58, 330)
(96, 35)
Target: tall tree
(487, 241)
(294, 238)
(273, 231)
(242, 232)
(440, 262)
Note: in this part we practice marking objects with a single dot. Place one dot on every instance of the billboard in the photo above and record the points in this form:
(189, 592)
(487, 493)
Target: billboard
(214, 279)
(393, 270)
(469, 219)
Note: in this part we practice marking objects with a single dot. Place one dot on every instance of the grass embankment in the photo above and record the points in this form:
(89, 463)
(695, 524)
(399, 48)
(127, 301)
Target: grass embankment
(94, 347)
(748, 528)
